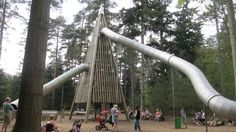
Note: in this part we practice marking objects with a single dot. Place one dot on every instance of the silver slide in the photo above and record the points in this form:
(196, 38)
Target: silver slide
(209, 96)
(55, 83)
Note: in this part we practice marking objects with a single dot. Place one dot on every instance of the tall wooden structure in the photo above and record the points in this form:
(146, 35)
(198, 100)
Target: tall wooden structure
(101, 83)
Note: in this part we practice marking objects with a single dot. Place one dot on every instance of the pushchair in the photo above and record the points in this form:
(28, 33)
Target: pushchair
(102, 122)
(76, 126)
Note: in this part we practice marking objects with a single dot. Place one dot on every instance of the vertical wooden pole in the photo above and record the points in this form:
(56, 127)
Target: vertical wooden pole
(173, 92)
(72, 106)
(124, 103)
(94, 44)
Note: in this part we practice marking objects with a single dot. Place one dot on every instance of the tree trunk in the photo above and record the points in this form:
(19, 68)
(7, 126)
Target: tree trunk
(31, 88)
(2, 25)
(219, 48)
(132, 88)
(142, 70)
(225, 18)
(55, 68)
(232, 30)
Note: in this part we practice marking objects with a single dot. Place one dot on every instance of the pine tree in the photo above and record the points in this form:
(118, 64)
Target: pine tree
(31, 89)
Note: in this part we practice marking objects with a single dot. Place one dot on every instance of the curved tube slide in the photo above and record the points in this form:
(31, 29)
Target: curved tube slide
(55, 83)
(204, 90)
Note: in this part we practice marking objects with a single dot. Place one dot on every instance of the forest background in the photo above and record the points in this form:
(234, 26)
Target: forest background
(177, 32)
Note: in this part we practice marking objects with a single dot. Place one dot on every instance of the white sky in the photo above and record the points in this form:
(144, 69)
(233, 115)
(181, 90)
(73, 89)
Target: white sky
(12, 53)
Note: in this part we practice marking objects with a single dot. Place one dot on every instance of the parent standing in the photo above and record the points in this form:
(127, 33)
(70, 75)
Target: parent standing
(137, 118)
(183, 116)
(114, 117)
(7, 111)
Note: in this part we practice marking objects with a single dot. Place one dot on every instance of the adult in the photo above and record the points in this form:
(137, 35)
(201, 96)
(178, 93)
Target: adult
(183, 116)
(114, 117)
(130, 113)
(7, 111)
(137, 118)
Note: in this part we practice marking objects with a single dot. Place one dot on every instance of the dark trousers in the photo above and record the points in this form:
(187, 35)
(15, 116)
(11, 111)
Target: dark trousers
(137, 125)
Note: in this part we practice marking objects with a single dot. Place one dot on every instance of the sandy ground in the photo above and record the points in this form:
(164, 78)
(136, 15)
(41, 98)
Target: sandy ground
(146, 126)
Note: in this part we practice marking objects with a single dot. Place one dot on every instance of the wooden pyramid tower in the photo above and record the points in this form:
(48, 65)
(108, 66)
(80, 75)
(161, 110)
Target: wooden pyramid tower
(101, 83)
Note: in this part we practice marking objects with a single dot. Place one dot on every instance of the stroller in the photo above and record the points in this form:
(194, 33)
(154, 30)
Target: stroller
(76, 125)
(102, 122)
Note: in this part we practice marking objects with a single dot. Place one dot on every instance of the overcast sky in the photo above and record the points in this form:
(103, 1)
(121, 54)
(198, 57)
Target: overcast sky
(12, 53)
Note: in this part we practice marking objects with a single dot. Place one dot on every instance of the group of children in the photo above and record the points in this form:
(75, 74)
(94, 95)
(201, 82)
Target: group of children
(199, 118)
(147, 115)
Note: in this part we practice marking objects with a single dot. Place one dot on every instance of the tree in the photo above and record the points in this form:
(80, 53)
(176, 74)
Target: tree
(56, 25)
(216, 13)
(93, 8)
(188, 34)
(31, 88)
(182, 41)
(232, 30)
(130, 79)
(75, 40)
(49, 75)
(3, 84)
(9, 85)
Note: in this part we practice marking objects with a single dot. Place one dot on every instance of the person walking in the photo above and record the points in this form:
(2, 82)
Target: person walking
(7, 110)
(114, 117)
(137, 118)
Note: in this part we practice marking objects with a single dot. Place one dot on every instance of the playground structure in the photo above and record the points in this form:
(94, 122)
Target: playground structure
(100, 86)
(86, 90)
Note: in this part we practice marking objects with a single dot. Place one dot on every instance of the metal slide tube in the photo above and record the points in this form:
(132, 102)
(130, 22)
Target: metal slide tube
(204, 90)
(55, 83)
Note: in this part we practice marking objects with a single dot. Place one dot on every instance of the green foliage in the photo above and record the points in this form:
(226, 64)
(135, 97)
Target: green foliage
(129, 77)
(75, 39)
(93, 7)
(208, 61)
(181, 2)
(188, 34)
(186, 38)
(68, 87)
(9, 85)
(3, 85)
(159, 95)
(185, 95)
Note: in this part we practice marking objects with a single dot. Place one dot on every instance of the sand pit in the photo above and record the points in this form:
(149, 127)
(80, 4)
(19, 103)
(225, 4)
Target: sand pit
(146, 126)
